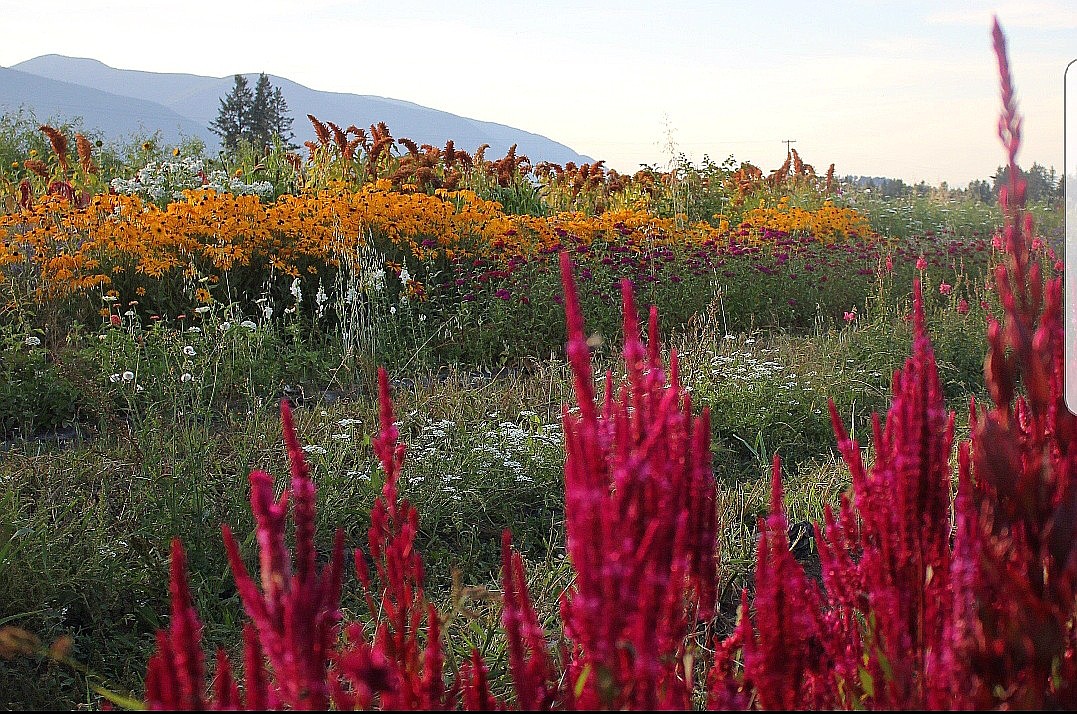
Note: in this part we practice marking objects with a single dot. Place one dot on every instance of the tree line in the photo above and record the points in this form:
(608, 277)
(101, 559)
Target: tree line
(1044, 185)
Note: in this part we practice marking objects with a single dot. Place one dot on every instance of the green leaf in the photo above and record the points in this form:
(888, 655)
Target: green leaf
(867, 682)
(582, 681)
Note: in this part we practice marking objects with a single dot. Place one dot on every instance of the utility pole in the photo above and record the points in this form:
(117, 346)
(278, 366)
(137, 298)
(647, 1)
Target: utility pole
(787, 143)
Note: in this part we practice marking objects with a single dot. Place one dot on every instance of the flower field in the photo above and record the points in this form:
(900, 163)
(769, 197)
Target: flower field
(828, 466)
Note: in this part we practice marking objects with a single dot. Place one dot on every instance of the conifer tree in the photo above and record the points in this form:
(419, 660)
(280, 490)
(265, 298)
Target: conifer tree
(258, 116)
(234, 118)
(280, 123)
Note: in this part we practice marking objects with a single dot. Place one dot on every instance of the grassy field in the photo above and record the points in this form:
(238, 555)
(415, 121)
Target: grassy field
(134, 403)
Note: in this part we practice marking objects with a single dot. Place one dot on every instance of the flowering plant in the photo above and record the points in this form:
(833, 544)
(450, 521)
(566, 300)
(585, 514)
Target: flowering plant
(927, 601)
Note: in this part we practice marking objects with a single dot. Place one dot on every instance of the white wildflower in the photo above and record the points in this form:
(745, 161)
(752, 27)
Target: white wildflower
(189, 351)
(32, 341)
(128, 376)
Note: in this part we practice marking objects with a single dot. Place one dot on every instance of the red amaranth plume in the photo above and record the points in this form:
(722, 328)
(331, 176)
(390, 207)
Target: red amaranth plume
(59, 145)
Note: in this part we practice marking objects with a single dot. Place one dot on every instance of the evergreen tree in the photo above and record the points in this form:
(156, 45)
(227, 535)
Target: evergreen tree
(258, 116)
(234, 118)
(261, 133)
(1044, 184)
(280, 124)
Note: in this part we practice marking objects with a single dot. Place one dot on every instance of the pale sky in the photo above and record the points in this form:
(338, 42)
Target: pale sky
(903, 89)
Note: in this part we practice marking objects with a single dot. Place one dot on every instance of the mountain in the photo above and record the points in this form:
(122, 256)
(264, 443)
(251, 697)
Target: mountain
(114, 116)
(121, 102)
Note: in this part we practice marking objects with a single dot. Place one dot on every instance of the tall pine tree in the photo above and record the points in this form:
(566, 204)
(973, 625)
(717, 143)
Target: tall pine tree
(234, 118)
(280, 123)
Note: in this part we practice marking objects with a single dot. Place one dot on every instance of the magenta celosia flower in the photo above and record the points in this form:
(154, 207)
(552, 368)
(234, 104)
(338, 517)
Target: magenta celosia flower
(921, 263)
(945, 288)
(640, 516)
(412, 671)
(641, 535)
(924, 609)
(294, 614)
(962, 306)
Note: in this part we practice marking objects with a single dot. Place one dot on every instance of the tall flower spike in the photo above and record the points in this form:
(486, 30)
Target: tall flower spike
(638, 486)
(409, 674)
(176, 674)
(529, 660)
(296, 614)
(1016, 544)
(786, 660)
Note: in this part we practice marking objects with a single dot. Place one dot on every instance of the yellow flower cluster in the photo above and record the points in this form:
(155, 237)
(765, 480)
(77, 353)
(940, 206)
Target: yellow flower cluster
(71, 250)
(64, 250)
(68, 250)
(828, 223)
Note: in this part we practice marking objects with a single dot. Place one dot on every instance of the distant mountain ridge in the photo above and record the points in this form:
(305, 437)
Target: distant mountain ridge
(122, 102)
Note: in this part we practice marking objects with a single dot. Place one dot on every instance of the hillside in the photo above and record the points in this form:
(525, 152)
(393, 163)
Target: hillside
(119, 102)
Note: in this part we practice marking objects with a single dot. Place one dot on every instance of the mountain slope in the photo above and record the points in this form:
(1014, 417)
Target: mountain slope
(114, 116)
(196, 99)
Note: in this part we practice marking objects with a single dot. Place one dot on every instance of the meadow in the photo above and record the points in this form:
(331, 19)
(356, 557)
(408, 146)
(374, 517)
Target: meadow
(160, 304)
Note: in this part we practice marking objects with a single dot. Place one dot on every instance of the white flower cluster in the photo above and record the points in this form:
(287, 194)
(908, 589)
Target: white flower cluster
(503, 446)
(165, 181)
(373, 280)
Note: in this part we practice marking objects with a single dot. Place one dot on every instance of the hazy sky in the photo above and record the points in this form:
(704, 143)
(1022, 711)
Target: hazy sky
(906, 89)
